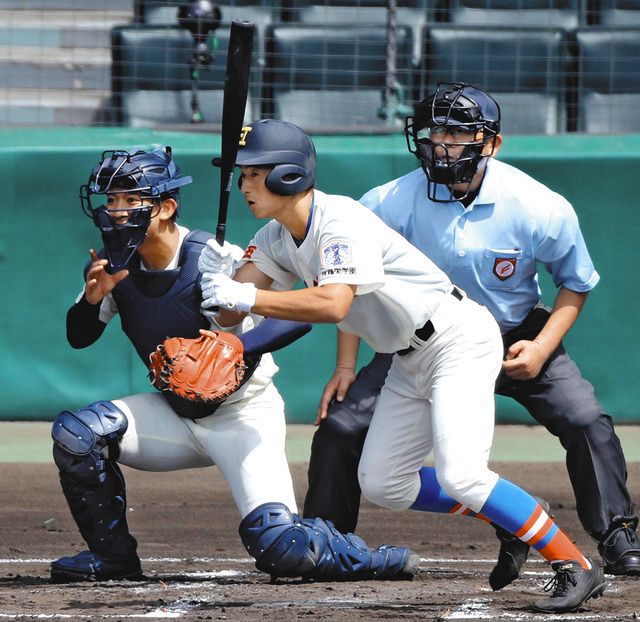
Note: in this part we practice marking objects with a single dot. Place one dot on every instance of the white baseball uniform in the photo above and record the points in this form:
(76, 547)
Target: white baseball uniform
(244, 437)
(439, 396)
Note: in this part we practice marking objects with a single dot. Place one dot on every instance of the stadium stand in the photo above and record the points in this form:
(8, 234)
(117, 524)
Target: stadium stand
(151, 81)
(608, 75)
(615, 13)
(333, 78)
(567, 14)
(413, 14)
(524, 69)
(55, 60)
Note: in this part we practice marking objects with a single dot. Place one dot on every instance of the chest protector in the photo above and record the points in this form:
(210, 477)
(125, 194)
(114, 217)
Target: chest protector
(157, 304)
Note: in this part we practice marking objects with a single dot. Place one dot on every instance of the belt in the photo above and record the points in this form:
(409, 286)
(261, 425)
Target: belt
(427, 330)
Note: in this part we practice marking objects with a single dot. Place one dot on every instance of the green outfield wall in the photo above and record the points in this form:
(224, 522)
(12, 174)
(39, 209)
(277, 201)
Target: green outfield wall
(44, 242)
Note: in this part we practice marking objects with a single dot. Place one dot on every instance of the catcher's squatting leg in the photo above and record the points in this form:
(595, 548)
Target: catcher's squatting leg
(284, 545)
(85, 450)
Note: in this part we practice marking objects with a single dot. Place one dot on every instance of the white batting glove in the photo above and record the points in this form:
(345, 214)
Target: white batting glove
(219, 259)
(218, 290)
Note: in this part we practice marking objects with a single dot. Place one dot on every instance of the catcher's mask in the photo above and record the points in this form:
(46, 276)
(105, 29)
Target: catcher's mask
(464, 113)
(284, 148)
(150, 174)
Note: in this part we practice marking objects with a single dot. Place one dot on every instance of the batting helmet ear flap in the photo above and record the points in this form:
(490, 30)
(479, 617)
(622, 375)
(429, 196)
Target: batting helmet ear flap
(289, 179)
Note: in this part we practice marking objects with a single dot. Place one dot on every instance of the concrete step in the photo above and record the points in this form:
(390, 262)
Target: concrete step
(67, 29)
(55, 68)
(43, 115)
(54, 56)
(52, 106)
(92, 19)
(72, 5)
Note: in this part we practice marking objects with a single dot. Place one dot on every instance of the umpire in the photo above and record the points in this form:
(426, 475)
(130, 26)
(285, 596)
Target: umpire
(488, 225)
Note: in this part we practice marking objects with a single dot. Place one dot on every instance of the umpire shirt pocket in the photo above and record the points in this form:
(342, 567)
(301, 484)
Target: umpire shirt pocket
(502, 269)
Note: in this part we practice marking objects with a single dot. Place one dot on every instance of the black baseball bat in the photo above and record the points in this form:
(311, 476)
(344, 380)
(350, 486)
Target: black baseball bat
(236, 87)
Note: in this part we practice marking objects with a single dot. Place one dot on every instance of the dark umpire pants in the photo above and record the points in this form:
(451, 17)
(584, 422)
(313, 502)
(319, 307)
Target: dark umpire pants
(559, 399)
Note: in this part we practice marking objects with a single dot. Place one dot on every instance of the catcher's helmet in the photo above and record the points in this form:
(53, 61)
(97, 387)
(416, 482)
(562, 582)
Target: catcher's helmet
(151, 173)
(461, 110)
(286, 147)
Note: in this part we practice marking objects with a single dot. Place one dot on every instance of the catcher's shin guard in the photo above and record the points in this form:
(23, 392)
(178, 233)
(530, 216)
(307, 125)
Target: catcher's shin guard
(286, 546)
(92, 484)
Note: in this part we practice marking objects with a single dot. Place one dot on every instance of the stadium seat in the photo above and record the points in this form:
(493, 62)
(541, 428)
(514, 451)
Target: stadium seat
(618, 13)
(411, 13)
(165, 12)
(523, 68)
(608, 80)
(566, 14)
(331, 77)
(151, 82)
(260, 12)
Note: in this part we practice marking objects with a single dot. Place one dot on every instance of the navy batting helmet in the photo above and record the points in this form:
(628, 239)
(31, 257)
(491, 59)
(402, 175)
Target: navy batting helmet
(153, 174)
(462, 111)
(285, 147)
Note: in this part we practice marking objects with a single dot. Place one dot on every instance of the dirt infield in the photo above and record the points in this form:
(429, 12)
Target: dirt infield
(197, 569)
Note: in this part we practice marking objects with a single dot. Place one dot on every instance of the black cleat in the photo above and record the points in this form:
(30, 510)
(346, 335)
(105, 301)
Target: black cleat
(620, 549)
(513, 554)
(572, 587)
(88, 566)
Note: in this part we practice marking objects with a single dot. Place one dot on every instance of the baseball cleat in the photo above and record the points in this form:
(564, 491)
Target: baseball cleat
(513, 554)
(620, 549)
(88, 566)
(572, 586)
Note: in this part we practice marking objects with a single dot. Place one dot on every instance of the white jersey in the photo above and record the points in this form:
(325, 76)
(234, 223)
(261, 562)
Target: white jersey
(397, 287)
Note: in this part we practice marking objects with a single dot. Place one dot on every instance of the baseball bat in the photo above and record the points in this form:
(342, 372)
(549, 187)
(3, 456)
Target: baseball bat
(236, 87)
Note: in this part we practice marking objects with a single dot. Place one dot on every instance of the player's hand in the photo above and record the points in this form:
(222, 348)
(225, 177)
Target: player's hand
(336, 388)
(218, 290)
(524, 360)
(99, 281)
(219, 259)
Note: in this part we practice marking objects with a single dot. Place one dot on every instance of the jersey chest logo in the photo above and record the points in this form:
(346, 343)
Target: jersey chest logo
(336, 253)
(504, 267)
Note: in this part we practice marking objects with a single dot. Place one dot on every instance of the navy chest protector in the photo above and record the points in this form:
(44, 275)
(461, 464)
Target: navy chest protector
(157, 304)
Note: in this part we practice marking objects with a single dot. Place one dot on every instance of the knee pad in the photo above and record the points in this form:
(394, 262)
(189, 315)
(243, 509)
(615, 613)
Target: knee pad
(98, 425)
(79, 439)
(92, 483)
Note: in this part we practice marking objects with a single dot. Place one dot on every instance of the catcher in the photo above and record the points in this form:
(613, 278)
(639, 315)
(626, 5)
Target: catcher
(216, 391)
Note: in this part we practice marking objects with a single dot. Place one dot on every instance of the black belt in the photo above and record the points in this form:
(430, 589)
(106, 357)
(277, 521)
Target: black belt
(427, 330)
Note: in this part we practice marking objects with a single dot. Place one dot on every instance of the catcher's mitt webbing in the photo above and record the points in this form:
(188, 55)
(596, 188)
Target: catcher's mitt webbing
(206, 369)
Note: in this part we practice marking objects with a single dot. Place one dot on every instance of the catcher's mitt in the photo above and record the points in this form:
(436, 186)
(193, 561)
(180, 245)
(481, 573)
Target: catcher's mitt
(206, 369)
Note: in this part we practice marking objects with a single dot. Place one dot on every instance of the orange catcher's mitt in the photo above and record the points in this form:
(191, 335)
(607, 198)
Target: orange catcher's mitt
(206, 369)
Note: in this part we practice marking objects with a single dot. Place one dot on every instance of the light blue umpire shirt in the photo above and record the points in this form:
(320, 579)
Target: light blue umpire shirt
(490, 249)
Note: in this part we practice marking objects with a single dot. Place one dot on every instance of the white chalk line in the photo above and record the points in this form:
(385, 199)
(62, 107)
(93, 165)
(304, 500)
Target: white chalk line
(250, 560)
(480, 609)
(472, 609)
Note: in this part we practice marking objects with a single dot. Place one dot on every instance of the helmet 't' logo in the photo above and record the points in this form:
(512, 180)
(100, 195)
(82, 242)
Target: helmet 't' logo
(243, 135)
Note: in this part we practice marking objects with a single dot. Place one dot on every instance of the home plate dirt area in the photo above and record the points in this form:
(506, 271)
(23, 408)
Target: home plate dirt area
(197, 569)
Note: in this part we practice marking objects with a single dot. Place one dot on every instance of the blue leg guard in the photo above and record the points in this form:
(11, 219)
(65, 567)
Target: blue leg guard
(92, 484)
(286, 546)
